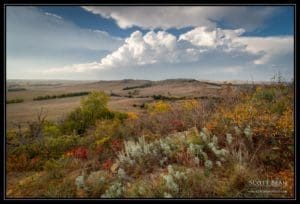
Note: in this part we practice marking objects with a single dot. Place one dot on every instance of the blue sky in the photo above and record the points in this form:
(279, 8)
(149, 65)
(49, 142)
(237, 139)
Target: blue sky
(107, 43)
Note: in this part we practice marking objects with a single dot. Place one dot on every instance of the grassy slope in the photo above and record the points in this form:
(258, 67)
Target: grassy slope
(265, 133)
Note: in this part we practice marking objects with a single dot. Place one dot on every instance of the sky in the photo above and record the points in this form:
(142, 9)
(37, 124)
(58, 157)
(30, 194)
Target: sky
(218, 43)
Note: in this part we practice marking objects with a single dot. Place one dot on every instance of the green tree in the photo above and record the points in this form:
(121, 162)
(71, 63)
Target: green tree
(93, 107)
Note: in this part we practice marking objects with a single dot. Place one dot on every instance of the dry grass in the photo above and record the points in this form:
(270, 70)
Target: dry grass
(58, 108)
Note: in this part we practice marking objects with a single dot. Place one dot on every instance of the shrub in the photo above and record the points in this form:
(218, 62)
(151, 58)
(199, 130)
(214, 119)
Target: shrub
(51, 130)
(160, 107)
(64, 189)
(80, 153)
(135, 87)
(38, 98)
(57, 146)
(54, 168)
(92, 108)
(267, 94)
(17, 100)
(16, 89)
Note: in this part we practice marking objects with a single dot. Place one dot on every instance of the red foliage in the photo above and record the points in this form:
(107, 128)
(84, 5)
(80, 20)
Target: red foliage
(80, 153)
(178, 125)
(116, 145)
(99, 149)
(107, 164)
(34, 161)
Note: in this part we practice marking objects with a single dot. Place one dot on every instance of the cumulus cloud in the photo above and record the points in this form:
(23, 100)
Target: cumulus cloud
(268, 47)
(137, 50)
(194, 46)
(214, 38)
(182, 16)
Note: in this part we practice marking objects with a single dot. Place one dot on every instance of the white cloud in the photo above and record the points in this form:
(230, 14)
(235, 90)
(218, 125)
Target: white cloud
(231, 40)
(182, 16)
(137, 50)
(53, 15)
(194, 46)
(75, 68)
(269, 47)
(214, 38)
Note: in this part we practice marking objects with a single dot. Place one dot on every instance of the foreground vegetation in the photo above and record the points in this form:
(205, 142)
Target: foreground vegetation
(183, 149)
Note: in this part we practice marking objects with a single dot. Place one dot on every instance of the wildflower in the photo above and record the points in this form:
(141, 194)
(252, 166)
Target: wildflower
(170, 169)
(79, 182)
(121, 173)
(208, 164)
(114, 191)
(204, 155)
(203, 136)
(165, 147)
(179, 175)
(211, 145)
(229, 138)
(196, 161)
(248, 133)
(170, 183)
(141, 189)
(162, 161)
(237, 130)
(167, 195)
(214, 140)
(206, 131)
(218, 163)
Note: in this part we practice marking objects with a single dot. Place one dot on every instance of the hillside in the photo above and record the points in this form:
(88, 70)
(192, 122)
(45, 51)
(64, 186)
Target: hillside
(187, 148)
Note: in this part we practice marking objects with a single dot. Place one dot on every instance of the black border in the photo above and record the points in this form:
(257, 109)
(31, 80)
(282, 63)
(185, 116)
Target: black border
(145, 3)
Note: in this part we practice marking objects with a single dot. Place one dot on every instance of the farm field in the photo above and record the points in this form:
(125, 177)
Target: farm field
(58, 108)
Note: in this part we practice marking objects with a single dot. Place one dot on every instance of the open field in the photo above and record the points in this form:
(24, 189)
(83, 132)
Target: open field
(58, 108)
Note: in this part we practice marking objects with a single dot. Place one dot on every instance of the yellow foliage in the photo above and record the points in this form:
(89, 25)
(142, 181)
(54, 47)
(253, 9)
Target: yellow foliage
(190, 104)
(263, 115)
(242, 113)
(160, 107)
(103, 140)
(132, 116)
(105, 130)
(286, 121)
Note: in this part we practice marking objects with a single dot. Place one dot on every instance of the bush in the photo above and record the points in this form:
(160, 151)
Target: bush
(17, 100)
(92, 108)
(54, 168)
(267, 94)
(16, 89)
(51, 130)
(135, 87)
(60, 96)
(56, 146)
